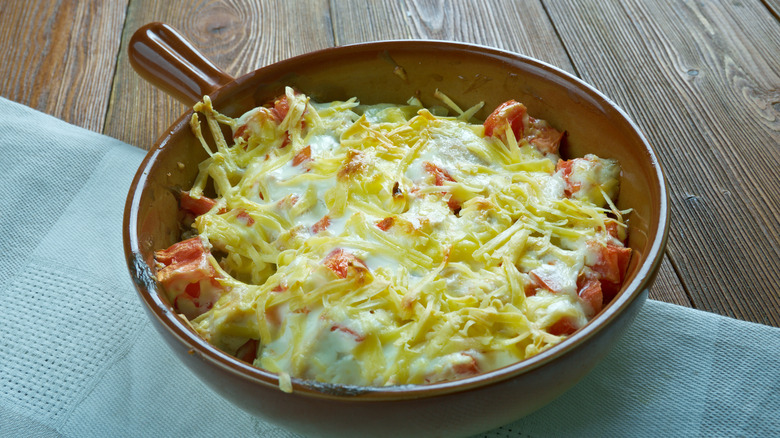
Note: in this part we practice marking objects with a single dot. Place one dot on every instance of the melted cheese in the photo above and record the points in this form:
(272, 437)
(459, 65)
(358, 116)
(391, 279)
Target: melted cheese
(385, 245)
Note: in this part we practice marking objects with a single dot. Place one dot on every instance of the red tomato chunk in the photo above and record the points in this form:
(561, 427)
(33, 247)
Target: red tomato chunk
(188, 277)
(509, 114)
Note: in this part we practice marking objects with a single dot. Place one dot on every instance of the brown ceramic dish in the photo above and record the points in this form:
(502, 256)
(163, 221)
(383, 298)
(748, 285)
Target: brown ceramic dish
(390, 72)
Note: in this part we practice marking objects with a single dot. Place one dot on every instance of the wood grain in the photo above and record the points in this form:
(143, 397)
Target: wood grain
(519, 26)
(59, 57)
(239, 36)
(667, 286)
(702, 81)
(773, 6)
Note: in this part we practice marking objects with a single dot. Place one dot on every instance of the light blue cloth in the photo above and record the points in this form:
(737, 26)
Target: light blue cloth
(79, 358)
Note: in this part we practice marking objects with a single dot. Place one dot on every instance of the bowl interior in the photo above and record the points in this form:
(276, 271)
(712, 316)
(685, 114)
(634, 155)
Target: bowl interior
(393, 72)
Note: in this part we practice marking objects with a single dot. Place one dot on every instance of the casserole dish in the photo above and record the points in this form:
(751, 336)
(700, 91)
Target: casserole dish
(390, 71)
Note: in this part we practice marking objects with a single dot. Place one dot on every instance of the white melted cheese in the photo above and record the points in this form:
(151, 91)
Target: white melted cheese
(359, 267)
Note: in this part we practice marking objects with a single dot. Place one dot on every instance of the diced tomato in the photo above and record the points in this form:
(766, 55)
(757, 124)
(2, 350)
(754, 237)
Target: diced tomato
(616, 230)
(192, 290)
(530, 289)
(548, 282)
(248, 351)
(458, 367)
(610, 266)
(612, 262)
(281, 287)
(454, 205)
(286, 140)
(261, 123)
(340, 262)
(566, 168)
(353, 165)
(193, 301)
(279, 111)
(609, 291)
(441, 175)
(564, 326)
(197, 206)
(321, 224)
(244, 217)
(358, 337)
(509, 114)
(281, 108)
(183, 252)
(548, 140)
(612, 229)
(468, 368)
(385, 223)
(302, 156)
(337, 262)
(590, 293)
(241, 132)
(287, 202)
(185, 273)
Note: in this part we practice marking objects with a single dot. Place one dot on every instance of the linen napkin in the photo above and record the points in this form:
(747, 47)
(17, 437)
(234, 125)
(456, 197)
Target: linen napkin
(79, 358)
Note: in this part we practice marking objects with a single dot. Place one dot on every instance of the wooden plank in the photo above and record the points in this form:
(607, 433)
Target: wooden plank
(61, 58)
(702, 81)
(773, 6)
(517, 26)
(239, 36)
(667, 286)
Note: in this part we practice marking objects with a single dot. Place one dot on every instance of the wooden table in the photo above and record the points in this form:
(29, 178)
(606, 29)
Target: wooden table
(701, 78)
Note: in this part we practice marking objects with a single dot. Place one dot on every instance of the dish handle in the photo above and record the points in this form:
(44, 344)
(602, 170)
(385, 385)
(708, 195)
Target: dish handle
(164, 58)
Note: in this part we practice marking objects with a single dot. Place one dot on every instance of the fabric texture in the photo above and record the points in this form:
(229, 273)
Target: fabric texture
(79, 358)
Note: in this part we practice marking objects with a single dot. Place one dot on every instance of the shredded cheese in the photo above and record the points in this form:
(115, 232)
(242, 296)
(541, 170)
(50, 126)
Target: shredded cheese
(386, 245)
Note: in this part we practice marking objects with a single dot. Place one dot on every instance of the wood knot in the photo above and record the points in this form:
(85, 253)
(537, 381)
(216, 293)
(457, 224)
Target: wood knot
(217, 29)
(692, 199)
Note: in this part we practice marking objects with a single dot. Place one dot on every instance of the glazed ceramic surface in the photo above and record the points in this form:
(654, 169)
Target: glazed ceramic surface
(391, 71)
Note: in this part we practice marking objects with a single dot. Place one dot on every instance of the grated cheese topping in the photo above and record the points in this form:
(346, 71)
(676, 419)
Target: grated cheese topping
(387, 245)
